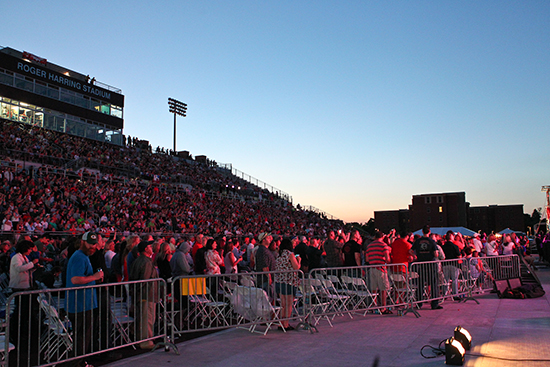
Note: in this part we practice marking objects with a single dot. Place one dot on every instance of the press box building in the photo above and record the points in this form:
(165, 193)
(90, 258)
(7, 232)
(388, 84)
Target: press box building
(37, 92)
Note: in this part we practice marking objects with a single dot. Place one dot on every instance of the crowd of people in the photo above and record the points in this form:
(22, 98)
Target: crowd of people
(99, 226)
(45, 198)
(116, 258)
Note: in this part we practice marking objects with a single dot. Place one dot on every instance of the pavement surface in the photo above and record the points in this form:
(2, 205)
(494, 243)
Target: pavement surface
(505, 332)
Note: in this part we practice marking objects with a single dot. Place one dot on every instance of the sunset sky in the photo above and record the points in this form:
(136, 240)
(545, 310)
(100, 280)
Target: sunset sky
(348, 106)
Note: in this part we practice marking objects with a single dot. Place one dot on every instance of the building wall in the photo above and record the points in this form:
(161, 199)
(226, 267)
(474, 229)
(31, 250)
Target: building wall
(439, 210)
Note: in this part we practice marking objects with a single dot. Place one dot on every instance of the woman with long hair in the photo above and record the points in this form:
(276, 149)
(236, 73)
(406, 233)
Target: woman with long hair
(212, 257)
(230, 261)
(162, 261)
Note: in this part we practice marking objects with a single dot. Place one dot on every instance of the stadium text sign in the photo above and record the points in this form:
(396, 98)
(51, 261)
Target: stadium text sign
(48, 75)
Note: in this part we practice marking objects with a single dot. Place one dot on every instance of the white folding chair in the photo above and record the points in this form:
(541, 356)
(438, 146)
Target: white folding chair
(252, 304)
(316, 307)
(338, 302)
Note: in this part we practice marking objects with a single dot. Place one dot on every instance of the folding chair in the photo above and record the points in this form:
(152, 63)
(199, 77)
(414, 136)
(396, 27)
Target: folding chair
(210, 311)
(363, 296)
(247, 281)
(400, 288)
(55, 341)
(317, 308)
(338, 302)
(121, 321)
(253, 304)
(3, 346)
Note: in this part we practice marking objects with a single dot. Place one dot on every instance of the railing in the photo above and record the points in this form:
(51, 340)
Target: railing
(45, 330)
(255, 181)
(52, 326)
(319, 211)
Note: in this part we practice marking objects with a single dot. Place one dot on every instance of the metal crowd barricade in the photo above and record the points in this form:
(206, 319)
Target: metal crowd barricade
(52, 326)
(220, 301)
(355, 290)
(435, 281)
(503, 266)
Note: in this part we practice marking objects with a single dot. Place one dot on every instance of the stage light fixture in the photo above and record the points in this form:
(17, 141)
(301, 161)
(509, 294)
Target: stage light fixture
(454, 352)
(464, 337)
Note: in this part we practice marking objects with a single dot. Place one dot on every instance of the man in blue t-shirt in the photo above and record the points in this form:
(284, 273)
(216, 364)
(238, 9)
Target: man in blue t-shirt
(80, 303)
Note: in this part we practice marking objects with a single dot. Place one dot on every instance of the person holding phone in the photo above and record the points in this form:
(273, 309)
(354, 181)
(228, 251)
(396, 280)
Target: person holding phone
(286, 279)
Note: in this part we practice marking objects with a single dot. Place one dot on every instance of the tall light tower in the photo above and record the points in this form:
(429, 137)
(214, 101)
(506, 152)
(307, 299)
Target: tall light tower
(177, 108)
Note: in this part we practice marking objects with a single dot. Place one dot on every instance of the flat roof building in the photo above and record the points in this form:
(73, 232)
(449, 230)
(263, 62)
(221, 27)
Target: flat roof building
(37, 92)
(450, 209)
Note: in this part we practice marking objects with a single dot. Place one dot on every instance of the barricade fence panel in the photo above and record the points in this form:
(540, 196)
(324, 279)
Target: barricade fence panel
(51, 326)
(219, 301)
(355, 290)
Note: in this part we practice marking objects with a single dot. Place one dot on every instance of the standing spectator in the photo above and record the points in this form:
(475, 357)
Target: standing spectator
(333, 250)
(508, 246)
(425, 249)
(301, 250)
(131, 242)
(265, 261)
(102, 314)
(286, 282)
(199, 259)
(109, 253)
(146, 294)
(230, 260)
(352, 252)
(21, 270)
(199, 239)
(378, 254)
(179, 264)
(5, 248)
(162, 261)
(400, 252)
(491, 248)
(450, 268)
(81, 303)
(478, 246)
(314, 253)
(212, 258)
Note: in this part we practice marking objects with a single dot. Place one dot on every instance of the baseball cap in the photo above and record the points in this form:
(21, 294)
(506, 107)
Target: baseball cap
(143, 245)
(90, 237)
(263, 235)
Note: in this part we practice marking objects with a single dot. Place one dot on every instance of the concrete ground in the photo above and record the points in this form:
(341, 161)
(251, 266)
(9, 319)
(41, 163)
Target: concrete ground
(505, 332)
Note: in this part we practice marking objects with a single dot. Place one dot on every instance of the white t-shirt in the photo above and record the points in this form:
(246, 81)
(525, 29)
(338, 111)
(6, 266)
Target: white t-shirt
(490, 248)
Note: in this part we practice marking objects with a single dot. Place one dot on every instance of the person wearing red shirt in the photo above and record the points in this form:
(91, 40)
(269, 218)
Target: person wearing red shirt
(400, 251)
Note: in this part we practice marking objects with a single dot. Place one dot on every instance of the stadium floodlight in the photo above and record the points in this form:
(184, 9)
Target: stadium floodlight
(177, 108)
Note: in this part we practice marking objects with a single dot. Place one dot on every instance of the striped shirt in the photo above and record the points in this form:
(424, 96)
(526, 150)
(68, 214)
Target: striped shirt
(377, 253)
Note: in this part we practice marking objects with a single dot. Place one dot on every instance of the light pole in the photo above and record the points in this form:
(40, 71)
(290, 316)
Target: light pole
(177, 108)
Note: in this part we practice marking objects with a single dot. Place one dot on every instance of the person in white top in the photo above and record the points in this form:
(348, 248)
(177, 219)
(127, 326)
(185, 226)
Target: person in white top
(508, 246)
(491, 248)
(109, 253)
(478, 246)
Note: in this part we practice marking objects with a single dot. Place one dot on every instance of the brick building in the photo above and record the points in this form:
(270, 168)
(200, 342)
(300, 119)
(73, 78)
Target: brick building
(450, 210)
